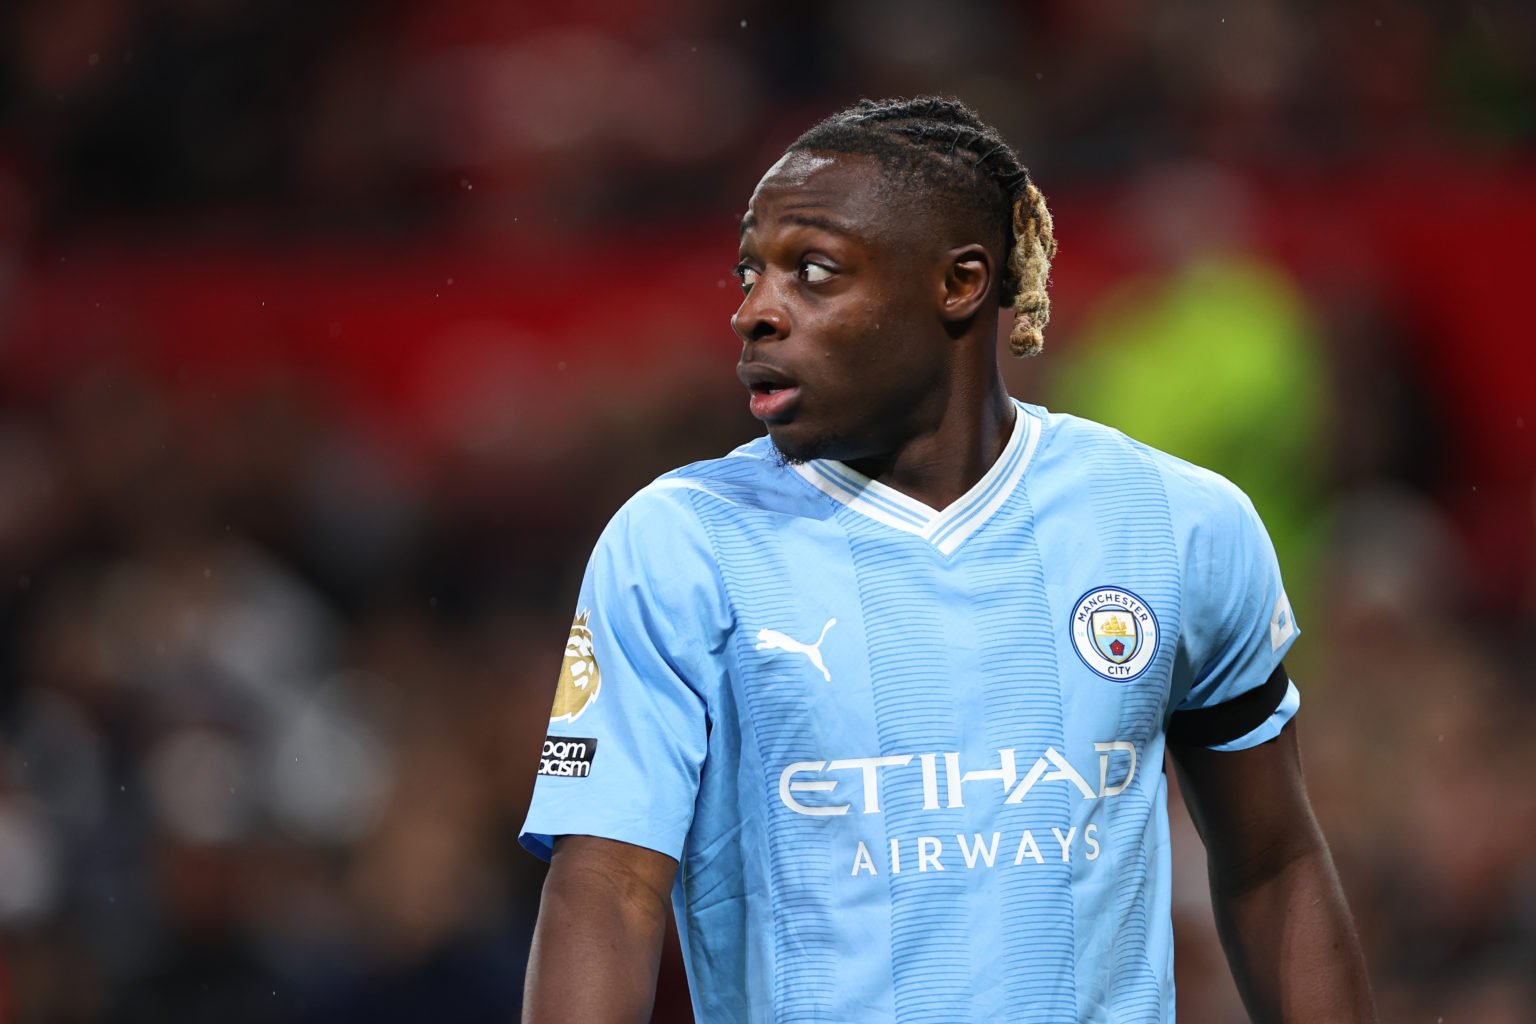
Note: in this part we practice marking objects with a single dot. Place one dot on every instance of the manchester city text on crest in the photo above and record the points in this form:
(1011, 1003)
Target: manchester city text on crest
(1115, 633)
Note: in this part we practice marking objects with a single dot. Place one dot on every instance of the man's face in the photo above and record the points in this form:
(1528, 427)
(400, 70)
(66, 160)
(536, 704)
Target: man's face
(843, 347)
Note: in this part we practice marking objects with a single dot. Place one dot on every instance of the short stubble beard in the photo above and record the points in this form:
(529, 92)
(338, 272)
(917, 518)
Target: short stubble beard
(808, 452)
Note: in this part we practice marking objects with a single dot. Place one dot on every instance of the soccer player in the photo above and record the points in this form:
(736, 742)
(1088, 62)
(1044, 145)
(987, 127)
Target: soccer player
(880, 701)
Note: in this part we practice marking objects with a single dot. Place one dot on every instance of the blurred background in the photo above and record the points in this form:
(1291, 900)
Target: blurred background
(331, 333)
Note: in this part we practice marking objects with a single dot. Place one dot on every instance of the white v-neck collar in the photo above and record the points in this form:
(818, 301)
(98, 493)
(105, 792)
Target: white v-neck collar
(945, 529)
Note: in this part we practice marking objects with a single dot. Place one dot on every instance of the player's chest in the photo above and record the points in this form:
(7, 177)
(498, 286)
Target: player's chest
(880, 641)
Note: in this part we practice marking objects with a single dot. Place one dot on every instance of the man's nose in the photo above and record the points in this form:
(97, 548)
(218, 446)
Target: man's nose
(760, 317)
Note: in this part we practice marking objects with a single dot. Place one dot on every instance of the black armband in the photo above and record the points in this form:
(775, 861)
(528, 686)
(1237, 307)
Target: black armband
(1230, 720)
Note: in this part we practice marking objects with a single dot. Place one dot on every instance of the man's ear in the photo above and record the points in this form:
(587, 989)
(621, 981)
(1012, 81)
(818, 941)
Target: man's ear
(968, 271)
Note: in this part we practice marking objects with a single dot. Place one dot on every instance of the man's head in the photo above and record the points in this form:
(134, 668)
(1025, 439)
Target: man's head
(874, 255)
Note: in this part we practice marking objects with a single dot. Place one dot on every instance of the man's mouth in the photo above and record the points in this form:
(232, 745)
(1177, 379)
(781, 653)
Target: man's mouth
(773, 393)
(772, 401)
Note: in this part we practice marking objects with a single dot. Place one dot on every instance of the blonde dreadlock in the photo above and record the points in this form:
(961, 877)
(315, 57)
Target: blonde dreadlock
(1034, 246)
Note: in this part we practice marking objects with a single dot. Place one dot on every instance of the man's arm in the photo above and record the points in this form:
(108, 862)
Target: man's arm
(1279, 907)
(598, 940)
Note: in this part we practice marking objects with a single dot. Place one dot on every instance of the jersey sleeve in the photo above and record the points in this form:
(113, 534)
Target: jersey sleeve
(1238, 627)
(628, 729)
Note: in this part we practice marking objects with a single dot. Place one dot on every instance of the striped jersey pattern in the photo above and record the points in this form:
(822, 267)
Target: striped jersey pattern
(910, 760)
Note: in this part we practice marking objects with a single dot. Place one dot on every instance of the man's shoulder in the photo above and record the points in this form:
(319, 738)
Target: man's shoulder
(751, 466)
(1073, 439)
(751, 479)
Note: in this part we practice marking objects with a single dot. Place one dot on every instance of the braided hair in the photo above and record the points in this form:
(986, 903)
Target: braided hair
(943, 145)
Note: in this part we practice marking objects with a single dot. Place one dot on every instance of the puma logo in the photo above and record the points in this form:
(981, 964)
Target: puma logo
(770, 639)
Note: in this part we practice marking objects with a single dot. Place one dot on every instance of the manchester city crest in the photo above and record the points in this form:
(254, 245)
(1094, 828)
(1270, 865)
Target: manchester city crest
(1115, 633)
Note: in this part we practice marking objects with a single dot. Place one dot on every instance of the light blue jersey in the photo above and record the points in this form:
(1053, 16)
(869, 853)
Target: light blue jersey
(911, 761)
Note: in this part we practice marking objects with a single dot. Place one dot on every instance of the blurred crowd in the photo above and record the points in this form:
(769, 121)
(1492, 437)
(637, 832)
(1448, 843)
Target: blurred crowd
(273, 672)
(379, 116)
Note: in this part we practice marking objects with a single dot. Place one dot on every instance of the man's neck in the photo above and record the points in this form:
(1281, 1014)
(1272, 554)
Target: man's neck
(937, 467)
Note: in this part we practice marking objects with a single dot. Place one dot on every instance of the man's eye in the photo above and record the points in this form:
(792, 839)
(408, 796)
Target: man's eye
(746, 275)
(814, 273)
